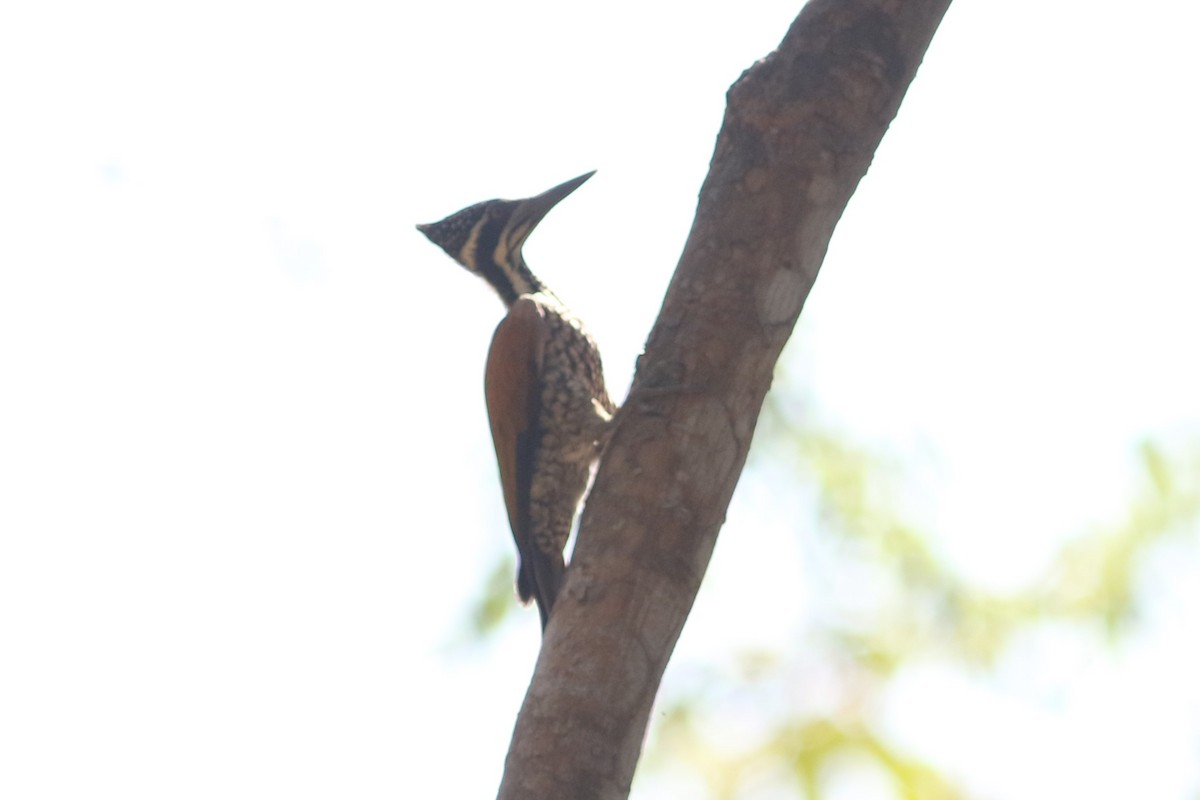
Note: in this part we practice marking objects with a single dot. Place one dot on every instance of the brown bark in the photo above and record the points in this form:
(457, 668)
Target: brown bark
(799, 133)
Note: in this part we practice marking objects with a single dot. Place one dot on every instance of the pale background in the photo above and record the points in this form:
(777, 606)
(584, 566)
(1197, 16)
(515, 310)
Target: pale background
(246, 487)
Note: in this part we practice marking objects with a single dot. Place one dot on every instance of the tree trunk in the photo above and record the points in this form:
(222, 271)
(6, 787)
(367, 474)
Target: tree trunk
(800, 130)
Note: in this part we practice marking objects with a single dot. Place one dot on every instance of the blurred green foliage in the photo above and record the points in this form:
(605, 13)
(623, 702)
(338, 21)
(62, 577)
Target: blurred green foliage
(920, 609)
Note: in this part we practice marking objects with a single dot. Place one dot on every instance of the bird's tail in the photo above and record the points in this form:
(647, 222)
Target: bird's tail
(539, 579)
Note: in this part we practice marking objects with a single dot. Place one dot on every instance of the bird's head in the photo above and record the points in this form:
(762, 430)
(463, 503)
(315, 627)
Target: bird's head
(487, 237)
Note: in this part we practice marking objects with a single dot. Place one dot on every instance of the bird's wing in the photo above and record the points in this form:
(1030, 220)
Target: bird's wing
(513, 388)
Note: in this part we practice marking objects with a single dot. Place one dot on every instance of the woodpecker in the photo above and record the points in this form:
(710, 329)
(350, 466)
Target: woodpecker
(549, 411)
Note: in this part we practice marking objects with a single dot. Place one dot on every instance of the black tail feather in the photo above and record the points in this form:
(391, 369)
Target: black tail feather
(540, 581)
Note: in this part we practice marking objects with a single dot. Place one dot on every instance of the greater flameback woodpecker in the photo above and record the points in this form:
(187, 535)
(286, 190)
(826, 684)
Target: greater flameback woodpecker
(549, 411)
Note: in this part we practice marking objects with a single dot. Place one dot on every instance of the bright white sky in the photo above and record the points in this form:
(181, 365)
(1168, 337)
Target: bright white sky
(246, 485)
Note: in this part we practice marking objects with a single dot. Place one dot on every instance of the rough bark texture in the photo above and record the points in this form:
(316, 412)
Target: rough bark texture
(799, 133)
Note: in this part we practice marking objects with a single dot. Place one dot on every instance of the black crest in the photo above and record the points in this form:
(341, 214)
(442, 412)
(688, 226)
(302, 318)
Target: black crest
(451, 234)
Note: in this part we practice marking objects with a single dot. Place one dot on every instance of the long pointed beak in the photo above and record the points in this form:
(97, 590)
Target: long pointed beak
(530, 212)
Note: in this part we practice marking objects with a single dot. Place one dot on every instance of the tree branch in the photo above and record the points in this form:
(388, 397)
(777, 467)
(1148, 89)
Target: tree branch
(799, 133)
